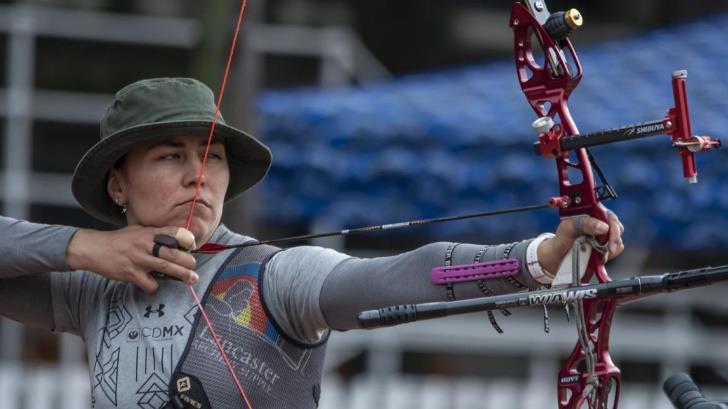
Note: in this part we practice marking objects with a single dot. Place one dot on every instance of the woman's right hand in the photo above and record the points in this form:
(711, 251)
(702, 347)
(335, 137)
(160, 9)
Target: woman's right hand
(126, 255)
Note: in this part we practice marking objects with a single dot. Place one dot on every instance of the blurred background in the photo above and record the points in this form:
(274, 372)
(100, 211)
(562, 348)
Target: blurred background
(382, 111)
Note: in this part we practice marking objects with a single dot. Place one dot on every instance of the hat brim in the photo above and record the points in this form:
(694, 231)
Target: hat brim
(248, 159)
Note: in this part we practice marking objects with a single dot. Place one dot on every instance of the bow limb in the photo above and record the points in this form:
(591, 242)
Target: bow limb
(589, 379)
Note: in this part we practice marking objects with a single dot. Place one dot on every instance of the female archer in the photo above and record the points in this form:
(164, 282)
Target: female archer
(149, 342)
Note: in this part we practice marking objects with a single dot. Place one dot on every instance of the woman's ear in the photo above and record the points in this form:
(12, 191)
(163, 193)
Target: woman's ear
(116, 187)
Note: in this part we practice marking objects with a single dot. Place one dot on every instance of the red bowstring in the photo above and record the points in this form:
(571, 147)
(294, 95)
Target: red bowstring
(198, 184)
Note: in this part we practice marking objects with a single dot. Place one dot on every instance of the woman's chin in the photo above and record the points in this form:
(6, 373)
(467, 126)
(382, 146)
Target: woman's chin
(202, 229)
(201, 224)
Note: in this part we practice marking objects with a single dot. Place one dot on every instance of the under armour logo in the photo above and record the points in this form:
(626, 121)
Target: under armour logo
(159, 311)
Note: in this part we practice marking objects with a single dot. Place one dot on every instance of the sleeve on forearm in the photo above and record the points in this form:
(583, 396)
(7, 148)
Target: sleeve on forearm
(310, 289)
(29, 248)
(355, 285)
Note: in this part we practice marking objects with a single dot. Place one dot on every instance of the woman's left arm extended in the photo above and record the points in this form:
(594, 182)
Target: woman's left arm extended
(310, 289)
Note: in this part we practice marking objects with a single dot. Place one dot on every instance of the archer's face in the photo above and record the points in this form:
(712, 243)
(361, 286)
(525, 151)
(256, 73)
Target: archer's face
(157, 184)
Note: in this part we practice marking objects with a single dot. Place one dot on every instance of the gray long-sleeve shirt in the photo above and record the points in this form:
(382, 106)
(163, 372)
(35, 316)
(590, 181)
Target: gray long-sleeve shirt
(135, 339)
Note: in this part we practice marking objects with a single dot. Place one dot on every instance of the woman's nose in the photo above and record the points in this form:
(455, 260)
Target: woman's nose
(195, 170)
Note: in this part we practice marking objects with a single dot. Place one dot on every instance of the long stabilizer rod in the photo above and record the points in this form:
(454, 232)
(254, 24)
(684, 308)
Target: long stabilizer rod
(627, 289)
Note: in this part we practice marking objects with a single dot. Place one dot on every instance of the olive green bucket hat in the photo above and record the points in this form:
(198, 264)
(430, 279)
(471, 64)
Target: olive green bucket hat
(156, 109)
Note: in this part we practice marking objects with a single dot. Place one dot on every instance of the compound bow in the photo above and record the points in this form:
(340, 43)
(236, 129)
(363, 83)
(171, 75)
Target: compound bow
(589, 378)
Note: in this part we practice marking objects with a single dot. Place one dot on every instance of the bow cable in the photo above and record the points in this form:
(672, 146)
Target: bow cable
(198, 183)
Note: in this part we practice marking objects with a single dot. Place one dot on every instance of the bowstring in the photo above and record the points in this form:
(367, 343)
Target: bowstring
(198, 184)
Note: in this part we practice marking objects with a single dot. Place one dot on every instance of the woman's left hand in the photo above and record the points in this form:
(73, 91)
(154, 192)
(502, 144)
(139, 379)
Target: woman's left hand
(553, 250)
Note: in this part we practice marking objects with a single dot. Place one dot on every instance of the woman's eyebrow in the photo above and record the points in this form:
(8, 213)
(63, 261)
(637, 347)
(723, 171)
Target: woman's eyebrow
(176, 144)
(171, 144)
(215, 141)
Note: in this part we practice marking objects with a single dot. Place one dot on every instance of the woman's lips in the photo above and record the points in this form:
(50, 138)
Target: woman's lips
(197, 202)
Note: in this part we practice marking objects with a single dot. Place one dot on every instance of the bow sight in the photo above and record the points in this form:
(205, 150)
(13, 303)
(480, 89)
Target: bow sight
(553, 142)
(676, 123)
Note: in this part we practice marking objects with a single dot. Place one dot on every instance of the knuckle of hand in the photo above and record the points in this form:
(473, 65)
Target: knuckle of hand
(181, 258)
(129, 275)
(189, 261)
(162, 265)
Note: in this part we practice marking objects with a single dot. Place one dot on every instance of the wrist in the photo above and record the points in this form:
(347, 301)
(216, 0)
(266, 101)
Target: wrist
(547, 256)
(535, 266)
(77, 250)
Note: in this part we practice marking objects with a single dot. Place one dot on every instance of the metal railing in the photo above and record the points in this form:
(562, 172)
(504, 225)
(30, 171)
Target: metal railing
(53, 388)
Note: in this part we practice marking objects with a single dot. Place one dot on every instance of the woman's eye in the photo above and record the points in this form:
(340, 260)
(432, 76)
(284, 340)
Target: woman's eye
(214, 155)
(169, 156)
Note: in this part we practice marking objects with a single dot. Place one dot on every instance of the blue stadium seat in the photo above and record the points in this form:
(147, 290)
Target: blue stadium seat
(454, 141)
